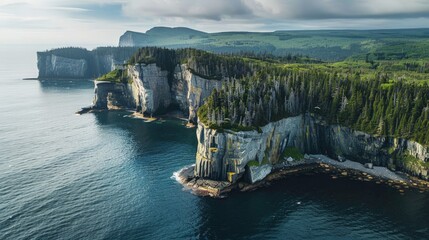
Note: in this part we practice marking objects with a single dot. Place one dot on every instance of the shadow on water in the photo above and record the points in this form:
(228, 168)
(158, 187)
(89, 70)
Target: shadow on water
(147, 135)
(63, 84)
(311, 206)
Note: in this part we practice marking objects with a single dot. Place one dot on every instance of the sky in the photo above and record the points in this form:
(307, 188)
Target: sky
(90, 23)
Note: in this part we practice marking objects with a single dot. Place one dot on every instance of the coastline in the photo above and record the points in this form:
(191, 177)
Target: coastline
(311, 163)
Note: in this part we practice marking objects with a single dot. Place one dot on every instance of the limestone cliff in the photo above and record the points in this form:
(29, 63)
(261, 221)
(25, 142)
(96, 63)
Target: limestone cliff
(189, 90)
(110, 95)
(151, 91)
(61, 67)
(78, 63)
(225, 155)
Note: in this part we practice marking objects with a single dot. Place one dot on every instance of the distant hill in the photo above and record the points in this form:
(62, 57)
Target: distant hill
(327, 45)
(154, 35)
(171, 32)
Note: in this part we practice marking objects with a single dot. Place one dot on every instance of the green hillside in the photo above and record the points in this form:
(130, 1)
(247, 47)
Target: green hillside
(327, 45)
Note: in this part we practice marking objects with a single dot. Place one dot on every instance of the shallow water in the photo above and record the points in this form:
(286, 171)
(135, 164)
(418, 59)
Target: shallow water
(103, 176)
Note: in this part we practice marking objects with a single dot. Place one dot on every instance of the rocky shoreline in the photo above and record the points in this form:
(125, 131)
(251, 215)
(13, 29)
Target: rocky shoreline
(311, 163)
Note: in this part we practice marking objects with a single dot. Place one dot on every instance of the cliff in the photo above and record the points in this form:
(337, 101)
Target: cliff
(53, 66)
(158, 36)
(109, 95)
(79, 63)
(150, 91)
(227, 155)
(189, 90)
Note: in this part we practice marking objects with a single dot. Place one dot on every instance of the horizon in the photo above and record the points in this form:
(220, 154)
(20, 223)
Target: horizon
(100, 23)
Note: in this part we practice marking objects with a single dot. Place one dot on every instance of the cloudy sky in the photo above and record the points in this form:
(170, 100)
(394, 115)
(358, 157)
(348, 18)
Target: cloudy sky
(101, 22)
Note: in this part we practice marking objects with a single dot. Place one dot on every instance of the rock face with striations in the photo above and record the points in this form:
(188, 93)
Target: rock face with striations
(110, 95)
(77, 63)
(61, 67)
(151, 91)
(189, 90)
(225, 155)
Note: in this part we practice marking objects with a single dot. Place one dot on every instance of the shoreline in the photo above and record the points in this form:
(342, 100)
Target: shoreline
(311, 163)
(137, 115)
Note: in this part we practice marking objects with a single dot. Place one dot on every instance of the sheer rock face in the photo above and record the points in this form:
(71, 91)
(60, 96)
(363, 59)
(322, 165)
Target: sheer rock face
(106, 63)
(60, 67)
(190, 90)
(221, 155)
(152, 87)
(152, 91)
(91, 66)
(110, 95)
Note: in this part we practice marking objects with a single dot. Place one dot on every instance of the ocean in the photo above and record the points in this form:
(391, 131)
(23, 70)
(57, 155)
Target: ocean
(106, 176)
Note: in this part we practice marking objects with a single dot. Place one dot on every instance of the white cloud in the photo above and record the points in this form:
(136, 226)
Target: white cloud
(100, 22)
(329, 9)
(188, 9)
(277, 9)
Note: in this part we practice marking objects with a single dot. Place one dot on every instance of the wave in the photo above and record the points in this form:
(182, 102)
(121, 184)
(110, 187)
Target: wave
(178, 174)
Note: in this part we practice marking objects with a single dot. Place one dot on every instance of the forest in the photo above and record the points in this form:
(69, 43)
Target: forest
(380, 97)
(377, 105)
(326, 45)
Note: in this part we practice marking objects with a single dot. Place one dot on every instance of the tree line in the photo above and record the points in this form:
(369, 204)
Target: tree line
(377, 106)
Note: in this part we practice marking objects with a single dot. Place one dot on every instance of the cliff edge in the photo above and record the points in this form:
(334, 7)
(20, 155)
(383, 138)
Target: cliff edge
(149, 90)
(229, 156)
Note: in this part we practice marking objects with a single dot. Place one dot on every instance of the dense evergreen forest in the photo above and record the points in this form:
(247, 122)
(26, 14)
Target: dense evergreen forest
(209, 65)
(213, 66)
(378, 105)
(327, 45)
(388, 98)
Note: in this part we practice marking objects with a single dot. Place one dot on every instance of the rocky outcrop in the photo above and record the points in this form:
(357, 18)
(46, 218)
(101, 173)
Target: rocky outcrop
(152, 88)
(225, 155)
(110, 95)
(151, 91)
(130, 38)
(257, 173)
(189, 90)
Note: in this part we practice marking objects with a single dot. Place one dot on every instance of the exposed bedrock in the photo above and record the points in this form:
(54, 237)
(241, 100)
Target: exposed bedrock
(225, 155)
(151, 91)
(60, 67)
(189, 90)
(110, 95)
(77, 63)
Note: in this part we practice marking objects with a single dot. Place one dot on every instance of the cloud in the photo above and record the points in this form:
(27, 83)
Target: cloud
(335, 9)
(103, 21)
(188, 9)
(276, 9)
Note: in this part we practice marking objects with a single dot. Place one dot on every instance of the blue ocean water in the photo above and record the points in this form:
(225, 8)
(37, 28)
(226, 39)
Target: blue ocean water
(105, 176)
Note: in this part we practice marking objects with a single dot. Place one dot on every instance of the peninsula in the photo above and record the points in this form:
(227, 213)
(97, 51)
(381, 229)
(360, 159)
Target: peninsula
(257, 115)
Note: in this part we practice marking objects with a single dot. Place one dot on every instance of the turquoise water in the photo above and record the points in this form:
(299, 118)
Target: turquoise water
(105, 176)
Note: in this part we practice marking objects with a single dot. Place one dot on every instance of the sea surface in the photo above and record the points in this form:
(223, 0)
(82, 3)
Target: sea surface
(106, 176)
